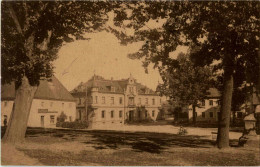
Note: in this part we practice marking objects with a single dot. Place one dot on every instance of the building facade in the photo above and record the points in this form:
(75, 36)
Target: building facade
(50, 100)
(115, 102)
(208, 110)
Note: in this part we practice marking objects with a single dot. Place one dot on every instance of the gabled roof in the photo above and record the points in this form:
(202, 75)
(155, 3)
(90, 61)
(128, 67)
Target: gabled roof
(49, 90)
(104, 86)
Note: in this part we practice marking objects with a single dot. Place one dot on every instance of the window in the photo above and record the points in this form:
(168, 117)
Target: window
(131, 89)
(70, 118)
(146, 100)
(120, 100)
(51, 104)
(120, 114)
(218, 102)
(153, 113)
(103, 114)
(160, 101)
(139, 101)
(153, 101)
(211, 114)
(203, 103)
(103, 100)
(211, 102)
(146, 114)
(5, 104)
(42, 104)
(52, 118)
(79, 100)
(203, 114)
(131, 101)
(112, 100)
(62, 105)
(112, 114)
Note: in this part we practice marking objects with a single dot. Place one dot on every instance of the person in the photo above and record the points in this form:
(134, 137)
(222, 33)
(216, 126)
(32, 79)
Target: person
(5, 122)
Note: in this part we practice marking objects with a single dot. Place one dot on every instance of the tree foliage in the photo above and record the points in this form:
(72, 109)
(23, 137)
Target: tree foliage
(186, 83)
(33, 31)
(218, 30)
(224, 31)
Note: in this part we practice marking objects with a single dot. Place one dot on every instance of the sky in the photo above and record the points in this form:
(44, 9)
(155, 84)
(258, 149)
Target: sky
(103, 55)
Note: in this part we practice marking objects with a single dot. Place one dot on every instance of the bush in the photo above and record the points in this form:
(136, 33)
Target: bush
(62, 117)
(73, 125)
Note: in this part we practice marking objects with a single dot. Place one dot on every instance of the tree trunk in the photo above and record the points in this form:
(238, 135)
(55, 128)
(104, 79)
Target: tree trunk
(17, 124)
(194, 114)
(224, 121)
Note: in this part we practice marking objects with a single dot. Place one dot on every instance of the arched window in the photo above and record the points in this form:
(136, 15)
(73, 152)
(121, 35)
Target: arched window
(153, 113)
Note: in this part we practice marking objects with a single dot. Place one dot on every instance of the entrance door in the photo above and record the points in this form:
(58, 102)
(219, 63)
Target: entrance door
(131, 115)
(42, 121)
(79, 114)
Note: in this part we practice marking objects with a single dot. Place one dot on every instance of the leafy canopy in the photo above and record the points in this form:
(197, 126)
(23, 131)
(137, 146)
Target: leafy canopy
(219, 30)
(187, 83)
(32, 33)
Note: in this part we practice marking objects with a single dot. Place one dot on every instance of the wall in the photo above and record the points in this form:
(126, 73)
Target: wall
(95, 117)
(54, 108)
(207, 109)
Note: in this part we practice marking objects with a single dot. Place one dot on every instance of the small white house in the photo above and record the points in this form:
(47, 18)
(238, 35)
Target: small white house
(209, 108)
(50, 100)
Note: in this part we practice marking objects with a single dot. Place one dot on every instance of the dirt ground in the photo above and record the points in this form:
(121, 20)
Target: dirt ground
(95, 148)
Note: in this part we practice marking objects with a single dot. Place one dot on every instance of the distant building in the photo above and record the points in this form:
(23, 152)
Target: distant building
(51, 98)
(209, 108)
(112, 102)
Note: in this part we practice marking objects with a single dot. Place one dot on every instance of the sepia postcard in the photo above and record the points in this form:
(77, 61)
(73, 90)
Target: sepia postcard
(130, 83)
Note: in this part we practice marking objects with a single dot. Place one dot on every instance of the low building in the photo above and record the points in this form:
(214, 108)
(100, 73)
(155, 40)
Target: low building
(114, 102)
(209, 108)
(50, 100)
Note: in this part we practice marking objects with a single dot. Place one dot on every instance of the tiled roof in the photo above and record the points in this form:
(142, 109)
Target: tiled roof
(104, 86)
(51, 90)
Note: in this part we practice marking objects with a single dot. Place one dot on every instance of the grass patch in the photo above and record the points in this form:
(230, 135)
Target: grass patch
(107, 148)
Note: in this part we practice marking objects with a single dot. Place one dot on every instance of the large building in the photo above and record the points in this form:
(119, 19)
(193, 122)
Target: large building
(104, 102)
(50, 100)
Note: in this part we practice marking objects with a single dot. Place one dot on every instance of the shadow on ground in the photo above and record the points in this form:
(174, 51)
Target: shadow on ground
(138, 141)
